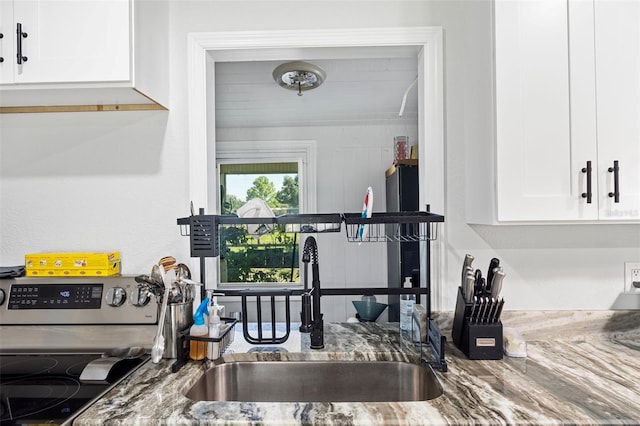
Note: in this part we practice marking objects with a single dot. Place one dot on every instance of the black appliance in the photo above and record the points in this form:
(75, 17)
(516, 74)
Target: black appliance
(402, 258)
(56, 330)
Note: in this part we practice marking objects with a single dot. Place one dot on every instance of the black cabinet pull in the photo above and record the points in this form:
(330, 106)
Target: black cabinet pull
(1, 58)
(20, 35)
(587, 170)
(616, 182)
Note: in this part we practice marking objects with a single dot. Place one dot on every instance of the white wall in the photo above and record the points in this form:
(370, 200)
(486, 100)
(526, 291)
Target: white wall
(119, 180)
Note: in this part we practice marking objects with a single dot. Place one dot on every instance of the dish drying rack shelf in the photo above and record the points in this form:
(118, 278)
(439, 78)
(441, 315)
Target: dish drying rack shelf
(204, 230)
(392, 227)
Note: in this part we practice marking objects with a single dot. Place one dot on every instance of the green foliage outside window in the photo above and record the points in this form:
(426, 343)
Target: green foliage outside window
(271, 257)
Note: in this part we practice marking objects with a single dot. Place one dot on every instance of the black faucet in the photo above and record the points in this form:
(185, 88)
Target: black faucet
(314, 325)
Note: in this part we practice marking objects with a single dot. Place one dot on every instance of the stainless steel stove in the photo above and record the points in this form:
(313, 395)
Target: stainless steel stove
(59, 343)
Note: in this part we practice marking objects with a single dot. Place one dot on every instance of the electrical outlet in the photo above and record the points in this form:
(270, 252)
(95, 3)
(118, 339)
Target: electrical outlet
(632, 277)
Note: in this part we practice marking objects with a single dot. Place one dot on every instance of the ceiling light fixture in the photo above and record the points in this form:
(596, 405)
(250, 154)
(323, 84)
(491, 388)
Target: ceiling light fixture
(298, 75)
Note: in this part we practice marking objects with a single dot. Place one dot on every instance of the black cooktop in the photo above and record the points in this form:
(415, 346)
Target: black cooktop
(39, 389)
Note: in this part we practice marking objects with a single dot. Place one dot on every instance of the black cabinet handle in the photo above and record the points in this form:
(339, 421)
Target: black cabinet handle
(20, 35)
(587, 194)
(616, 182)
(1, 58)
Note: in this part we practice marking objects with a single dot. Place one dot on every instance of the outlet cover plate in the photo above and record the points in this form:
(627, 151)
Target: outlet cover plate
(632, 277)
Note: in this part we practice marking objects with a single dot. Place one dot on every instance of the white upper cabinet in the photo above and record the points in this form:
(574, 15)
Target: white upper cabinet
(90, 47)
(617, 47)
(6, 40)
(69, 41)
(567, 107)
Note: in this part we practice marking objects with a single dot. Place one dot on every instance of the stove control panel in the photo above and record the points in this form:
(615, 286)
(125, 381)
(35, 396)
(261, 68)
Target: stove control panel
(82, 300)
(55, 296)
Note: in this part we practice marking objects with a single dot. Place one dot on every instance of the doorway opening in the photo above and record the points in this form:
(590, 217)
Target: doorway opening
(205, 50)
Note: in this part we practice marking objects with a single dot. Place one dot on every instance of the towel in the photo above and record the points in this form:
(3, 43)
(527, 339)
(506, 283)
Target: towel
(11, 271)
(253, 208)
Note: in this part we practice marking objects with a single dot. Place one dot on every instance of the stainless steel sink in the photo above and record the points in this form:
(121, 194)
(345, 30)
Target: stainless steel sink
(317, 381)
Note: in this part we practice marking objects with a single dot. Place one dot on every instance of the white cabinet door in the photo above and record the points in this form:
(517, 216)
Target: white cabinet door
(7, 41)
(73, 40)
(617, 52)
(539, 167)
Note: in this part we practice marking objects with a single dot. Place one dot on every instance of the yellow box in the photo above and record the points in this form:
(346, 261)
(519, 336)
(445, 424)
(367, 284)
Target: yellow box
(81, 264)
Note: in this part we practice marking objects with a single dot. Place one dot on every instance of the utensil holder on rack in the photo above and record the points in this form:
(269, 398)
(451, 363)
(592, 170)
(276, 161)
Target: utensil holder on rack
(477, 340)
(224, 340)
(179, 318)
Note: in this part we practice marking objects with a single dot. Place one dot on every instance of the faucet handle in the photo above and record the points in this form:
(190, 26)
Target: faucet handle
(317, 333)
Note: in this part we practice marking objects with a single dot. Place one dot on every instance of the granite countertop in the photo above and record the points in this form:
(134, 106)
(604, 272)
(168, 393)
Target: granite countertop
(581, 368)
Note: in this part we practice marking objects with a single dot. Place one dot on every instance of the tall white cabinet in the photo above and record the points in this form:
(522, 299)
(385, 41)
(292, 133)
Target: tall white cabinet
(567, 99)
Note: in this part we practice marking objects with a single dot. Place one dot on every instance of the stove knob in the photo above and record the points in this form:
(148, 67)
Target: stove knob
(2, 296)
(116, 296)
(140, 297)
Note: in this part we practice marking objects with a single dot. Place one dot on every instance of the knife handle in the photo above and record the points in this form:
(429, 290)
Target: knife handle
(468, 288)
(468, 260)
(478, 282)
(466, 264)
(493, 264)
(474, 310)
(499, 310)
(496, 286)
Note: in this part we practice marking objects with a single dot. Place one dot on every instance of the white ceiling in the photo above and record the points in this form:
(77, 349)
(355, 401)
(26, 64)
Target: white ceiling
(368, 87)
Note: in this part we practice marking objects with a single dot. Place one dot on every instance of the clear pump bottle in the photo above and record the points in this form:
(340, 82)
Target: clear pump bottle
(406, 307)
(213, 351)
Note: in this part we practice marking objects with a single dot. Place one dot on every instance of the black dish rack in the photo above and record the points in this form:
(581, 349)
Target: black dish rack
(204, 231)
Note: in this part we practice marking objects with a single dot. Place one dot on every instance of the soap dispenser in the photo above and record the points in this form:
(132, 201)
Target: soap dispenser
(213, 352)
(406, 307)
(197, 348)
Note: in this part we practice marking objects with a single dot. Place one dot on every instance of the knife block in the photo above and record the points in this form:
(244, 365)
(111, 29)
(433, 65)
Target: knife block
(475, 340)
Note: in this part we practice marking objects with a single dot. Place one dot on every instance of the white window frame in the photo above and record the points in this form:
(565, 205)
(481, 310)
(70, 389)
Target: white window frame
(302, 152)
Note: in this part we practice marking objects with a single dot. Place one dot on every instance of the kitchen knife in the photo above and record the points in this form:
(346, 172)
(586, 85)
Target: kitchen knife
(496, 316)
(493, 264)
(483, 308)
(487, 311)
(468, 288)
(478, 283)
(475, 309)
(492, 310)
(496, 286)
(468, 260)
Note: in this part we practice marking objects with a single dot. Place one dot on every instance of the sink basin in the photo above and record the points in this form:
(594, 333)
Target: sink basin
(316, 381)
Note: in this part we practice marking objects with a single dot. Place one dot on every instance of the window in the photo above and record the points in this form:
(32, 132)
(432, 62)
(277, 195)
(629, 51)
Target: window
(274, 180)
(258, 254)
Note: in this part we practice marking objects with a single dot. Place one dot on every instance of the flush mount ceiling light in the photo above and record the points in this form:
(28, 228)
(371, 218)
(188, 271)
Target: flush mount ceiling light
(298, 75)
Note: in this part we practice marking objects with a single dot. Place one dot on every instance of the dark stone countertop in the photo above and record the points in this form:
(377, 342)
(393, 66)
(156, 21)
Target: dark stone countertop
(582, 368)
